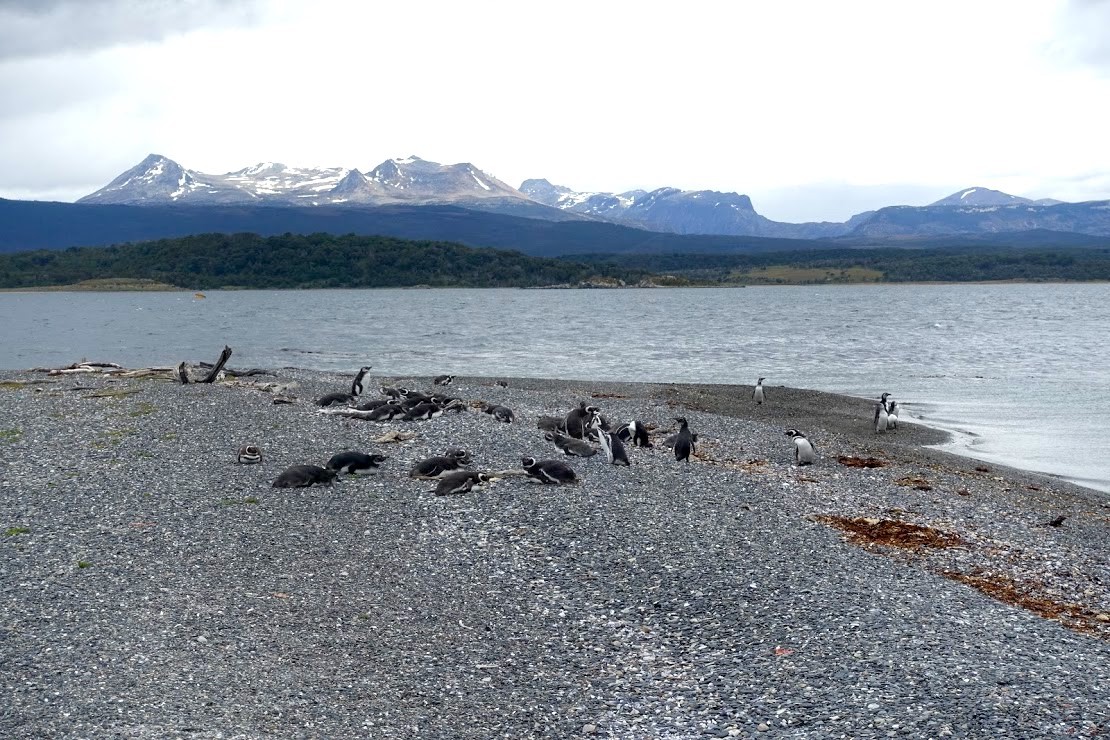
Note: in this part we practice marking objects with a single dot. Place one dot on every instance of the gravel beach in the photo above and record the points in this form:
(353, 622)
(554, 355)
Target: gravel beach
(152, 587)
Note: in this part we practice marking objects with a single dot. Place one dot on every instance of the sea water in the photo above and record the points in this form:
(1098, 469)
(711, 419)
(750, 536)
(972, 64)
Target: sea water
(1020, 373)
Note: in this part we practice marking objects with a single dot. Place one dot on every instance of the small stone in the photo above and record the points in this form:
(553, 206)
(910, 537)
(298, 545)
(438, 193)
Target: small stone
(589, 729)
(1103, 617)
(872, 706)
(763, 727)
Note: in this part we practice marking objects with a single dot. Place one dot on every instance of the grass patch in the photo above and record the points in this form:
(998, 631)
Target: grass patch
(83, 564)
(11, 436)
(144, 408)
(104, 284)
(249, 500)
(13, 531)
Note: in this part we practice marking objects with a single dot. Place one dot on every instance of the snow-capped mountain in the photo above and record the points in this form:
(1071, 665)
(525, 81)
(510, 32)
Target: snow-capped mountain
(158, 180)
(677, 211)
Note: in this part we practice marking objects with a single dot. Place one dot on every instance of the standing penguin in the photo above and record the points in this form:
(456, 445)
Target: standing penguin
(892, 415)
(613, 447)
(880, 414)
(757, 394)
(356, 384)
(684, 441)
(575, 422)
(804, 451)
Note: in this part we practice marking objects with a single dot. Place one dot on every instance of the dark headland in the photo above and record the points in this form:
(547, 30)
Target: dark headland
(151, 587)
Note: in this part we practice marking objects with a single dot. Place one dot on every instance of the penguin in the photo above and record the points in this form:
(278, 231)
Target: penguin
(804, 451)
(397, 392)
(435, 467)
(334, 399)
(355, 462)
(372, 404)
(425, 410)
(461, 481)
(442, 379)
(613, 447)
(303, 476)
(461, 455)
(880, 418)
(636, 433)
(575, 422)
(684, 441)
(892, 415)
(502, 384)
(390, 410)
(549, 471)
(570, 445)
(250, 455)
(501, 413)
(757, 394)
(550, 424)
(356, 384)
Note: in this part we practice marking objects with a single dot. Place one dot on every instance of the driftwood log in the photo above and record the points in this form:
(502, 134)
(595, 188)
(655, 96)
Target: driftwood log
(241, 373)
(214, 371)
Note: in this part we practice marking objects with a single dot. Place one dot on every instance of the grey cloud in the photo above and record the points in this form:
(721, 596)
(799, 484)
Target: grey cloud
(35, 28)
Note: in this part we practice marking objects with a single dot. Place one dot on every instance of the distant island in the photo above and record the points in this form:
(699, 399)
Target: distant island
(250, 261)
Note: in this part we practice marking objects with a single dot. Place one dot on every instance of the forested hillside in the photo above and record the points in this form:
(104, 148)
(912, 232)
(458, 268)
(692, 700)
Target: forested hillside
(294, 261)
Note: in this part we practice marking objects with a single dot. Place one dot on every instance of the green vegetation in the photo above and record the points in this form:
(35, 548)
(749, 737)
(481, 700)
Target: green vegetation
(294, 261)
(886, 265)
(83, 563)
(328, 261)
(10, 435)
(235, 502)
(13, 531)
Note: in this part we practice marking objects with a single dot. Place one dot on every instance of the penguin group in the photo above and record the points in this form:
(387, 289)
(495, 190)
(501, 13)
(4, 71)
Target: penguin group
(886, 414)
(581, 433)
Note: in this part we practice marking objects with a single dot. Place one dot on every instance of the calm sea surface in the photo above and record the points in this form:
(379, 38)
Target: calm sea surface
(1020, 372)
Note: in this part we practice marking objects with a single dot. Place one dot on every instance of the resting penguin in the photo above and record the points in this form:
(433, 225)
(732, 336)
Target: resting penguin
(612, 446)
(250, 454)
(548, 471)
(372, 404)
(425, 410)
(684, 441)
(461, 481)
(501, 413)
(804, 451)
(355, 462)
(333, 399)
(390, 410)
(549, 423)
(437, 467)
(892, 415)
(443, 379)
(303, 476)
(393, 392)
(570, 445)
(757, 394)
(880, 414)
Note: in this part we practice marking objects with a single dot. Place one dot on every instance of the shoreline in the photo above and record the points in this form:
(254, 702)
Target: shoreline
(730, 594)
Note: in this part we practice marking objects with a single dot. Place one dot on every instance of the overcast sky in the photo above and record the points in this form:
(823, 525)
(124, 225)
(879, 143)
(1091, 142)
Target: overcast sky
(817, 110)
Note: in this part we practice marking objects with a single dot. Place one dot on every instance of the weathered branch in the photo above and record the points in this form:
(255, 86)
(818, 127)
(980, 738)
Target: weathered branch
(215, 371)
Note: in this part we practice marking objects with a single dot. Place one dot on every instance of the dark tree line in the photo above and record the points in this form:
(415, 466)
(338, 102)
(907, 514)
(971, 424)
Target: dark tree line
(297, 261)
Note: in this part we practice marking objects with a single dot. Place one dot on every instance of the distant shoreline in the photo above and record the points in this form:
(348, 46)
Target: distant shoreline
(151, 286)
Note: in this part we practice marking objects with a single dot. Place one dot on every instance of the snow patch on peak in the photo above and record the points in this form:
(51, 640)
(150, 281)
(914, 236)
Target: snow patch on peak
(967, 192)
